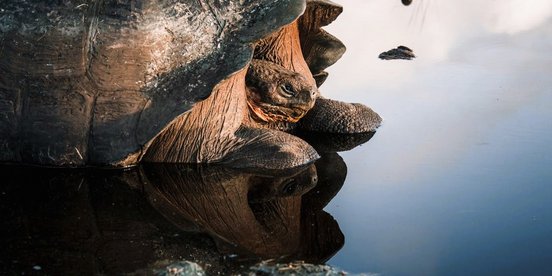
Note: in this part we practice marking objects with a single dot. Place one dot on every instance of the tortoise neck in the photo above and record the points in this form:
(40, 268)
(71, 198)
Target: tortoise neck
(206, 133)
(284, 48)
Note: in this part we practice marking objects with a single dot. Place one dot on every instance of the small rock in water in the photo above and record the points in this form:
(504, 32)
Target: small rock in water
(295, 268)
(183, 268)
(401, 52)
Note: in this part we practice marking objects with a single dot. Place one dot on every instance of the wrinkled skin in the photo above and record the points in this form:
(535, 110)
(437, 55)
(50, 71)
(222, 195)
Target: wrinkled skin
(305, 48)
(276, 96)
(273, 105)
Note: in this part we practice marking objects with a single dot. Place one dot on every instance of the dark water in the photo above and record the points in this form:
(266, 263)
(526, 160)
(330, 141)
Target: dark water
(91, 221)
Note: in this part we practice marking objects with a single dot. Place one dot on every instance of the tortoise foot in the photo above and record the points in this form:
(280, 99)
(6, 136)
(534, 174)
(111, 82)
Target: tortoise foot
(270, 149)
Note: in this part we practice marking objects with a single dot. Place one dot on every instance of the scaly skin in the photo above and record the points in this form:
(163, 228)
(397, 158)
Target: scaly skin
(330, 116)
(276, 97)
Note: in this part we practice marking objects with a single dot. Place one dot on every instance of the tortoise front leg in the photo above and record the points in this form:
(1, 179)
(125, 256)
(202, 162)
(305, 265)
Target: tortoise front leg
(269, 149)
(331, 116)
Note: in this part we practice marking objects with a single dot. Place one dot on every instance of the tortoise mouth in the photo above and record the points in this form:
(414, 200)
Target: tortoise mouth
(271, 113)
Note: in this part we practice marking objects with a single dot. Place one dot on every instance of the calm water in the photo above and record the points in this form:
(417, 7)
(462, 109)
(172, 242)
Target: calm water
(86, 222)
(456, 182)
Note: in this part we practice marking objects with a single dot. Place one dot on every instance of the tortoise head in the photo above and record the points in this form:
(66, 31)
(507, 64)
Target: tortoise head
(278, 94)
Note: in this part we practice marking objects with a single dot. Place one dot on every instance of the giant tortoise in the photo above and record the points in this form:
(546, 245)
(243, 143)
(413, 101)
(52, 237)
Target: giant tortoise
(115, 82)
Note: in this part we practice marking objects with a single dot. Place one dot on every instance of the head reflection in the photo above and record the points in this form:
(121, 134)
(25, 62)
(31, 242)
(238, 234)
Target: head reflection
(251, 215)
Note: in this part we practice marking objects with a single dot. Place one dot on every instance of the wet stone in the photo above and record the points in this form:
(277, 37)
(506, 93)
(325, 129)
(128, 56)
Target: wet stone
(401, 52)
(181, 269)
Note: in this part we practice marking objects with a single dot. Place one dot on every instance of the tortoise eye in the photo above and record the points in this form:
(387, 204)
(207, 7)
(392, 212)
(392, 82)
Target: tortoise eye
(290, 187)
(406, 2)
(288, 90)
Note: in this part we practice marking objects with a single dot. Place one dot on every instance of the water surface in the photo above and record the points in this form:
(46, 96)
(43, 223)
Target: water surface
(458, 179)
(109, 222)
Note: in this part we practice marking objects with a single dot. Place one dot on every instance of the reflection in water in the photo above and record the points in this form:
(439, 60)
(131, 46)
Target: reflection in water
(107, 221)
(250, 215)
(335, 142)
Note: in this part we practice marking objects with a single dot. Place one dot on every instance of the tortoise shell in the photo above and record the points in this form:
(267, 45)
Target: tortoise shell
(91, 82)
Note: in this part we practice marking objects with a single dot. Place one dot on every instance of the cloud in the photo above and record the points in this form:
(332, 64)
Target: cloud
(516, 16)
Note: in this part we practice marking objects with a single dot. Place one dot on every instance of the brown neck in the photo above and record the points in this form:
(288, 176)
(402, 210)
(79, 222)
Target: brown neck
(206, 133)
(284, 48)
